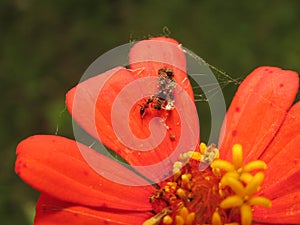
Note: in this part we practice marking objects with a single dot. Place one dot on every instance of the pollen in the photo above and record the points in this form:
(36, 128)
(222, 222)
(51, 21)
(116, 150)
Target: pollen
(205, 189)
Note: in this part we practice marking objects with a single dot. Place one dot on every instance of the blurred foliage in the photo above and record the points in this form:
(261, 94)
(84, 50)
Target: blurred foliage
(47, 45)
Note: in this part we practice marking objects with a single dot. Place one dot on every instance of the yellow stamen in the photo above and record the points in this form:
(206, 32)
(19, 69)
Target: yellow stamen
(234, 184)
(223, 165)
(246, 214)
(246, 177)
(231, 201)
(216, 219)
(232, 174)
(237, 156)
(202, 147)
(261, 201)
(254, 184)
(255, 165)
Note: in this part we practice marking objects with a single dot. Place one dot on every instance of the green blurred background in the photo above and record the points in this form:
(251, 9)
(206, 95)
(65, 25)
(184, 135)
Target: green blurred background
(47, 45)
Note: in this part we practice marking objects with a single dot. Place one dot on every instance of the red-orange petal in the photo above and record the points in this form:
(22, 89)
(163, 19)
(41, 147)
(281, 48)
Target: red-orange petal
(52, 211)
(54, 165)
(283, 158)
(94, 107)
(257, 111)
(287, 134)
(90, 104)
(285, 210)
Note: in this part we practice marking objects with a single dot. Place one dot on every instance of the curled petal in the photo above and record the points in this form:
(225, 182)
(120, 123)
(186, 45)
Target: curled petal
(111, 113)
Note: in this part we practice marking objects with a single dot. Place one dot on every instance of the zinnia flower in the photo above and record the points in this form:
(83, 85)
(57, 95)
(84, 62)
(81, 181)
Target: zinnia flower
(253, 177)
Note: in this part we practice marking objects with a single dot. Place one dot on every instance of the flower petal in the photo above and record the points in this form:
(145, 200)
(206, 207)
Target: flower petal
(148, 56)
(283, 158)
(285, 210)
(288, 132)
(54, 165)
(91, 110)
(52, 211)
(257, 111)
(108, 107)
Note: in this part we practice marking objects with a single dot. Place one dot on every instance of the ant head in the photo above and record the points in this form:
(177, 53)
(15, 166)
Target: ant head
(166, 72)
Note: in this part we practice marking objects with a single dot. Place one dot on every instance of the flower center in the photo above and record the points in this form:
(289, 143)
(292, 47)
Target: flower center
(222, 193)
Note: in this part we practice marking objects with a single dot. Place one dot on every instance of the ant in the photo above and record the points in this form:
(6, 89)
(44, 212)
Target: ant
(164, 98)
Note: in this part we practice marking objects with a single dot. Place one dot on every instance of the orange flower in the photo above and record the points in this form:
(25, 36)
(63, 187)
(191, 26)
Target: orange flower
(261, 125)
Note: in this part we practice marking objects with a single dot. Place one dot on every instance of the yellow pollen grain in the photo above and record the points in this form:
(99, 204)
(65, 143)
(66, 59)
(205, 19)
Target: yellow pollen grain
(167, 220)
(183, 156)
(185, 179)
(246, 214)
(202, 147)
(179, 220)
(167, 188)
(184, 212)
(237, 156)
(177, 166)
(255, 165)
(231, 201)
(223, 165)
(196, 156)
(260, 201)
(216, 219)
(254, 184)
(190, 218)
(181, 193)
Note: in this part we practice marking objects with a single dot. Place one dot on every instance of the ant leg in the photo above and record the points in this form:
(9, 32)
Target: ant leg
(143, 108)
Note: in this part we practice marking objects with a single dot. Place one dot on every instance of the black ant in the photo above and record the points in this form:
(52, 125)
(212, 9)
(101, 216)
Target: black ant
(164, 98)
